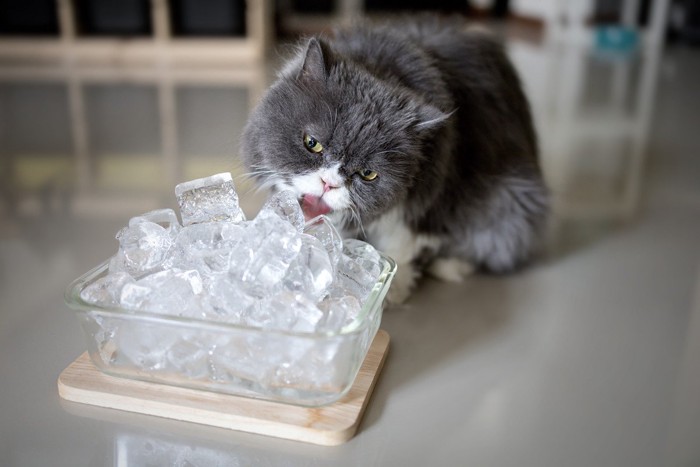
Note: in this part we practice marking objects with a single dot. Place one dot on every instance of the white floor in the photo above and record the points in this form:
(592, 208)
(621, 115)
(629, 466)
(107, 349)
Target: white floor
(589, 358)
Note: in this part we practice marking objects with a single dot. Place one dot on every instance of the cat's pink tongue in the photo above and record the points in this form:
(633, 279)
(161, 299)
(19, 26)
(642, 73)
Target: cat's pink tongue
(313, 206)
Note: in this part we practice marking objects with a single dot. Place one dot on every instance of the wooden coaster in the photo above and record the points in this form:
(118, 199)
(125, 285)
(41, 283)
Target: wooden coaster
(328, 425)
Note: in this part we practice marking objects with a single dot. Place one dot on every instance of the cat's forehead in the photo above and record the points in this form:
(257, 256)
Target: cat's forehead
(352, 112)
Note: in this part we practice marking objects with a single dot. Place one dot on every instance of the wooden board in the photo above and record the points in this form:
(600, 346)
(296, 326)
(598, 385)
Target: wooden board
(328, 425)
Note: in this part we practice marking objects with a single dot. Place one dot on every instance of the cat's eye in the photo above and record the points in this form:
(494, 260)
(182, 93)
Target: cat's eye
(368, 174)
(312, 144)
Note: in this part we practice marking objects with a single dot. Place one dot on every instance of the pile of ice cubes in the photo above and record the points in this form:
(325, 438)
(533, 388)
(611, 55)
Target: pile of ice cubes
(275, 272)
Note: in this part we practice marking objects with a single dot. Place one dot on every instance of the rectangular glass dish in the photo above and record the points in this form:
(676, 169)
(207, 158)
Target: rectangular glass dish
(308, 369)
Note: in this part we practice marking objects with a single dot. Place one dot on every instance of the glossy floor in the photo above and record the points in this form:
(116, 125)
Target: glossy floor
(589, 358)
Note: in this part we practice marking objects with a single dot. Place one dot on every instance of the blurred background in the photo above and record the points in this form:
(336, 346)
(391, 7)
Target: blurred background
(589, 358)
(107, 102)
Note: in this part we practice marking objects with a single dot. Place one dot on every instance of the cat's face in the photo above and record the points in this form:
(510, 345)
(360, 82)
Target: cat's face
(347, 144)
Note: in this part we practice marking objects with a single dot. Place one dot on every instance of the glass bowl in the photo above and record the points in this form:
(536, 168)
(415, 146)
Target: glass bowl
(308, 369)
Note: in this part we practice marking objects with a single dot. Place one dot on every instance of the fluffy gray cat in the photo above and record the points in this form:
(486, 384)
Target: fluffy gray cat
(414, 136)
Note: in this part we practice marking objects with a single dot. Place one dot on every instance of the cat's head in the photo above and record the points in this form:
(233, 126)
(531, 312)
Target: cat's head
(345, 142)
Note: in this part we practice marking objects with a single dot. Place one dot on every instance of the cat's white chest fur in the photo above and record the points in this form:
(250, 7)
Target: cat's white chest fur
(391, 235)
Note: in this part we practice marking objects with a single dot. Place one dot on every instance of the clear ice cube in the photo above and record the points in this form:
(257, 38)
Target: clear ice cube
(273, 243)
(242, 357)
(172, 292)
(227, 301)
(318, 366)
(289, 311)
(338, 312)
(311, 272)
(145, 344)
(364, 254)
(106, 290)
(285, 205)
(134, 295)
(209, 199)
(322, 228)
(353, 279)
(143, 247)
(166, 218)
(207, 248)
(260, 359)
(189, 356)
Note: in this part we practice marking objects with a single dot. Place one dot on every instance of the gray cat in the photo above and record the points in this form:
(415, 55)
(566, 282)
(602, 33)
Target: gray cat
(415, 136)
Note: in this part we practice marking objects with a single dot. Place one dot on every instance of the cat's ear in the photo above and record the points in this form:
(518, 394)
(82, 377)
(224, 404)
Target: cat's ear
(318, 60)
(431, 118)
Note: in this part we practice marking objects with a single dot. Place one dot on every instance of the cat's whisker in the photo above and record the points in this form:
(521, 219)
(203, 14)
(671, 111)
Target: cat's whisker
(255, 177)
(355, 216)
(256, 174)
(266, 184)
(263, 180)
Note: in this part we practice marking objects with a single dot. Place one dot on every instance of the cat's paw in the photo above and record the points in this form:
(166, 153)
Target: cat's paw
(402, 285)
(450, 269)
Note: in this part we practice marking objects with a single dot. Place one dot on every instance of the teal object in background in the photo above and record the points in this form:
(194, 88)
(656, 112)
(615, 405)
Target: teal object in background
(616, 38)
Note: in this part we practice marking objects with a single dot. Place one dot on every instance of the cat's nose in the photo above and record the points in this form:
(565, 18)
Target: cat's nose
(327, 185)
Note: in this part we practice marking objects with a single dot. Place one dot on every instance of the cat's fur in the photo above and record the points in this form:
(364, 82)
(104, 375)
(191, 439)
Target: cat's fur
(438, 112)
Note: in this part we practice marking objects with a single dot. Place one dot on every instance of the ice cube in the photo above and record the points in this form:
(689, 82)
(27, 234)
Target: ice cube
(208, 247)
(338, 313)
(258, 358)
(143, 247)
(288, 311)
(189, 357)
(322, 228)
(353, 279)
(319, 366)
(106, 290)
(133, 296)
(166, 218)
(285, 205)
(104, 329)
(311, 272)
(172, 292)
(364, 254)
(227, 301)
(209, 199)
(244, 356)
(273, 244)
(144, 343)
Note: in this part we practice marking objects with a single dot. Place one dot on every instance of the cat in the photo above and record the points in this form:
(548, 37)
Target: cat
(414, 136)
